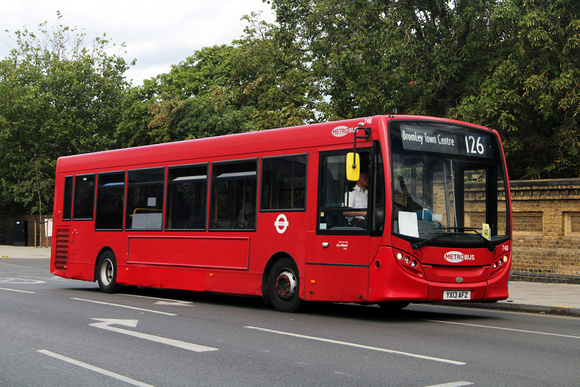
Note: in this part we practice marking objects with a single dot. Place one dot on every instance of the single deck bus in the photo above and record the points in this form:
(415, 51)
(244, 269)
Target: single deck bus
(270, 214)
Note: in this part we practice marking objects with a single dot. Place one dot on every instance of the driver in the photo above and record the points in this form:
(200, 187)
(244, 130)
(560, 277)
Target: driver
(358, 199)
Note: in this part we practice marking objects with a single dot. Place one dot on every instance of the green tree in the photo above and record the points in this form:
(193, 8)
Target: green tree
(531, 89)
(511, 65)
(252, 84)
(193, 100)
(380, 56)
(57, 97)
(275, 78)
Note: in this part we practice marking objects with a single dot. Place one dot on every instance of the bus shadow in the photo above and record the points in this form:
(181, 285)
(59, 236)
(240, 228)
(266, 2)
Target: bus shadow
(412, 313)
(182, 295)
(366, 312)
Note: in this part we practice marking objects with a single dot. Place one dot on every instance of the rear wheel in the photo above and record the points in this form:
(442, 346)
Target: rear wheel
(284, 285)
(107, 272)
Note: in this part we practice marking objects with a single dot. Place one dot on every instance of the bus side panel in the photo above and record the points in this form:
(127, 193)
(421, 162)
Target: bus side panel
(213, 252)
(218, 264)
(82, 253)
(81, 271)
(222, 281)
(193, 279)
(139, 275)
(233, 282)
(281, 234)
(336, 283)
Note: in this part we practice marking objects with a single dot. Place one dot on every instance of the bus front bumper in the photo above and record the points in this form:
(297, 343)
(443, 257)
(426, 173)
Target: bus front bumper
(388, 282)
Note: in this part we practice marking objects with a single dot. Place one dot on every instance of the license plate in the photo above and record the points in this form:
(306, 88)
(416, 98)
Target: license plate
(457, 294)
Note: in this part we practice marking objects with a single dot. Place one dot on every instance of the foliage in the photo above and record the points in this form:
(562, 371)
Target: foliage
(252, 84)
(513, 65)
(57, 97)
(531, 93)
(379, 57)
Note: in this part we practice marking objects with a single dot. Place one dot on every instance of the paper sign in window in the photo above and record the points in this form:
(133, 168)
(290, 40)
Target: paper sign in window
(408, 224)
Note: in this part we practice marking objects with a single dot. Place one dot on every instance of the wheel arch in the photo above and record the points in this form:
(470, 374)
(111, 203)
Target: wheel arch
(273, 259)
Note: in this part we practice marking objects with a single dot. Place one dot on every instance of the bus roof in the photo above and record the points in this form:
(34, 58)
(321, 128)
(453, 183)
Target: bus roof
(230, 146)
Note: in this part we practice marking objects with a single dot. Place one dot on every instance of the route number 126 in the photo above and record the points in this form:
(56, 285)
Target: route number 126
(474, 146)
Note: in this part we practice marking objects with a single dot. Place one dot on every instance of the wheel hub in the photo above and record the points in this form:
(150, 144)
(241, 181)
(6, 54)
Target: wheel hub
(286, 285)
(107, 272)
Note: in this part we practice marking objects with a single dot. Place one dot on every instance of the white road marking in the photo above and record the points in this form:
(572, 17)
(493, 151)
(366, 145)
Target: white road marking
(506, 329)
(345, 343)
(106, 325)
(452, 384)
(95, 369)
(173, 303)
(162, 301)
(16, 290)
(20, 281)
(124, 306)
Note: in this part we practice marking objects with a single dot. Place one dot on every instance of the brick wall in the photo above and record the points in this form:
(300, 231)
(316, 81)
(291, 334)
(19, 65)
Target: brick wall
(546, 230)
(546, 226)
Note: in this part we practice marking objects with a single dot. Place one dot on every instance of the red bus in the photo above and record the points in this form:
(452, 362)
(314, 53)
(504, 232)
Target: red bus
(420, 214)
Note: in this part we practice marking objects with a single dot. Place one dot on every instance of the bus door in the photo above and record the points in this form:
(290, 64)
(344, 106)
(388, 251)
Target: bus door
(341, 250)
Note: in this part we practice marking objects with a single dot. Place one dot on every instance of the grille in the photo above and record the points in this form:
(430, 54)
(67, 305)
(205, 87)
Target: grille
(61, 254)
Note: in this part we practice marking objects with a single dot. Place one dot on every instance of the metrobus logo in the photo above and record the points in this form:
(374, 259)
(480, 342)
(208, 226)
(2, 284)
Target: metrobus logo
(457, 256)
(341, 131)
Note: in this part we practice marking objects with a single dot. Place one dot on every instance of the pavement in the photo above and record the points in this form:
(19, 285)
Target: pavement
(531, 297)
(24, 252)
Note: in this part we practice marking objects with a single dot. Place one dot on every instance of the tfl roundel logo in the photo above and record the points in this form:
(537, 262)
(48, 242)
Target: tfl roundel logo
(281, 224)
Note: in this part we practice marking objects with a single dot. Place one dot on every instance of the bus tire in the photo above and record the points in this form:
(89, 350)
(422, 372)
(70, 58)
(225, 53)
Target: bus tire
(107, 272)
(284, 285)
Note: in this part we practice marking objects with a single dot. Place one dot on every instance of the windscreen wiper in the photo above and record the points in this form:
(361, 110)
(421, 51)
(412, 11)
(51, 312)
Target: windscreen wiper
(417, 245)
(490, 246)
(423, 243)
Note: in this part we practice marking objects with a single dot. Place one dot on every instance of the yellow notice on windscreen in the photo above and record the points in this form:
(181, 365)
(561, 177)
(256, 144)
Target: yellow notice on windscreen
(486, 231)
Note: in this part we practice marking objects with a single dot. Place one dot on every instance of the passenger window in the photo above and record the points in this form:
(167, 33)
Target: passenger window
(233, 196)
(145, 199)
(84, 198)
(67, 201)
(186, 198)
(110, 204)
(284, 183)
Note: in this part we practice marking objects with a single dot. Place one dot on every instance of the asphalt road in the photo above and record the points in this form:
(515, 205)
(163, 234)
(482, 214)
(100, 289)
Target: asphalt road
(63, 332)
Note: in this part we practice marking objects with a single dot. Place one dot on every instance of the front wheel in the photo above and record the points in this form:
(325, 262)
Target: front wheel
(107, 272)
(284, 285)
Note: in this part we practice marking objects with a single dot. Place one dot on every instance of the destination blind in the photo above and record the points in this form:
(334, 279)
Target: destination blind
(448, 139)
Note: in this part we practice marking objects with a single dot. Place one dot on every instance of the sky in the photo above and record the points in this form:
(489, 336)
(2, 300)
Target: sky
(157, 34)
